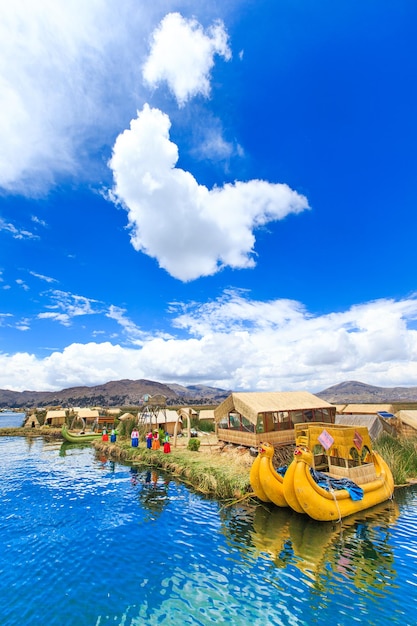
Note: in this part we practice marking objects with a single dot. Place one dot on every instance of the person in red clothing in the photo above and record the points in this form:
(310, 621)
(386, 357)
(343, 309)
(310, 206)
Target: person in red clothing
(167, 445)
(104, 436)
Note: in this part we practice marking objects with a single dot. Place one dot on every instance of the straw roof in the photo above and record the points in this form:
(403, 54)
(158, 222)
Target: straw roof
(53, 414)
(368, 409)
(340, 407)
(408, 417)
(189, 409)
(373, 423)
(206, 414)
(88, 413)
(167, 416)
(126, 416)
(250, 404)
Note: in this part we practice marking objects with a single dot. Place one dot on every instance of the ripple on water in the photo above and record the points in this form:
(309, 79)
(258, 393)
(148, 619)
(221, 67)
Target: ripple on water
(89, 542)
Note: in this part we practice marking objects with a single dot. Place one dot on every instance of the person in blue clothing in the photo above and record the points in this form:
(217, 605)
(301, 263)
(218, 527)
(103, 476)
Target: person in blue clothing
(135, 438)
(149, 440)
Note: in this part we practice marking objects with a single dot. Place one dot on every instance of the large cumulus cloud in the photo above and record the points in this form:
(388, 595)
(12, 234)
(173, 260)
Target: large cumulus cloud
(191, 230)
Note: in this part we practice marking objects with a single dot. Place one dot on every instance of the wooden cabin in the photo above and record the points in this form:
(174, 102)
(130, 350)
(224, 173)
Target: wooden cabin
(249, 418)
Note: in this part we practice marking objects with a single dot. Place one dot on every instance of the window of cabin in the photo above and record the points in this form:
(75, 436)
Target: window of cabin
(269, 422)
(234, 421)
(260, 423)
(297, 417)
(247, 425)
(281, 420)
(224, 422)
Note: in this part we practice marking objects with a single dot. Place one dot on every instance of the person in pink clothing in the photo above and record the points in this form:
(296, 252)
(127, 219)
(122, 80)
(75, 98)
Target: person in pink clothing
(135, 438)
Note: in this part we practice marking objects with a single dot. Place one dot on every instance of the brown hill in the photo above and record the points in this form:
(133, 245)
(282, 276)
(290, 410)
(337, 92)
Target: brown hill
(356, 392)
(114, 393)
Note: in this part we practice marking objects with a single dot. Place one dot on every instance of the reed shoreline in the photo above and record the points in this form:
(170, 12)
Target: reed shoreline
(217, 470)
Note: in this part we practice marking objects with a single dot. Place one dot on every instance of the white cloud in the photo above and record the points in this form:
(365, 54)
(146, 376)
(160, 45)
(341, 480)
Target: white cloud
(66, 305)
(63, 68)
(17, 233)
(192, 231)
(240, 344)
(47, 279)
(182, 54)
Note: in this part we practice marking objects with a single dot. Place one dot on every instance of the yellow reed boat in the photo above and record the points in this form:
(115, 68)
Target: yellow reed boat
(335, 473)
(265, 481)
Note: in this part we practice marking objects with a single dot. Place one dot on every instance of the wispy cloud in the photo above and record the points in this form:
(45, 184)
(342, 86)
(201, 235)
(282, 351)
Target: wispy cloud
(65, 306)
(47, 279)
(17, 233)
(22, 284)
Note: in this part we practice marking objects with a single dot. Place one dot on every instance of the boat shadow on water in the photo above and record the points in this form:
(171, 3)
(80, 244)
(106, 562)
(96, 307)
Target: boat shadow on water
(358, 549)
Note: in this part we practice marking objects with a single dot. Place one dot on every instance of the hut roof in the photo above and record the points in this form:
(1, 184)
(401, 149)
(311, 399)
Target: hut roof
(55, 413)
(373, 423)
(191, 412)
(340, 407)
(408, 417)
(113, 411)
(251, 403)
(206, 414)
(88, 413)
(167, 416)
(367, 409)
(126, 416)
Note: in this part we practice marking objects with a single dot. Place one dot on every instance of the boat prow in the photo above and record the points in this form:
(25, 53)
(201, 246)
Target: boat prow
(73, 437)
(265, 481)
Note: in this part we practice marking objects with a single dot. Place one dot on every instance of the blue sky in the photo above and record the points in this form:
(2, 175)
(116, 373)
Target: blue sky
(220, 193)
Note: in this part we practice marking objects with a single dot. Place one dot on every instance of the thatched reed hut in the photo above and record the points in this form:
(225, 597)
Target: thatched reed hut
(55, 419)
(407, 423)
(253, 417)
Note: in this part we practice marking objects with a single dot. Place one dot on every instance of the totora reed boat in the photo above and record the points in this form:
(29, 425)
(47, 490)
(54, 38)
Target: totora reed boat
(335, 473)
(78, 437)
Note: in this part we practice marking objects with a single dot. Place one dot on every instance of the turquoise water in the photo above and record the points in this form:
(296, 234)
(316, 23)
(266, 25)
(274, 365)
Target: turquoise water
(85, 541)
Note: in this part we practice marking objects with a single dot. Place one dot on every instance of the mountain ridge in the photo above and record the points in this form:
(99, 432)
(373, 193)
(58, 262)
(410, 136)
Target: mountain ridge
(126, 392)
(123, 392)
(354, 392)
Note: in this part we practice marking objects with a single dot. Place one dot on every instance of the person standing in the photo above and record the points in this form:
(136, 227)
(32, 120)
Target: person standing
(156, 444)
(113, 435)
(167, 445)
(135, 438)
(149, 440)
(104, 436)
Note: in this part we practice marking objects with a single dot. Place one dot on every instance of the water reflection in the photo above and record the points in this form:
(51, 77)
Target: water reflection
(66, 447)
(359, 550)
(152, 490)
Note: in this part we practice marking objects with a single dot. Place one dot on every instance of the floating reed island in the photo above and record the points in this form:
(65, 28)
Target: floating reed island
(214, 470)
(223, 471)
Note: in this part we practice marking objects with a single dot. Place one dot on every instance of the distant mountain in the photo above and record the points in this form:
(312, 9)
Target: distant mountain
(351, 392)
(130, 392)
(114, 393)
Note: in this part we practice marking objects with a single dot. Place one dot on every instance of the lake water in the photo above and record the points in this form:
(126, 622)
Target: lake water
(89, 542)
(10, 419)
